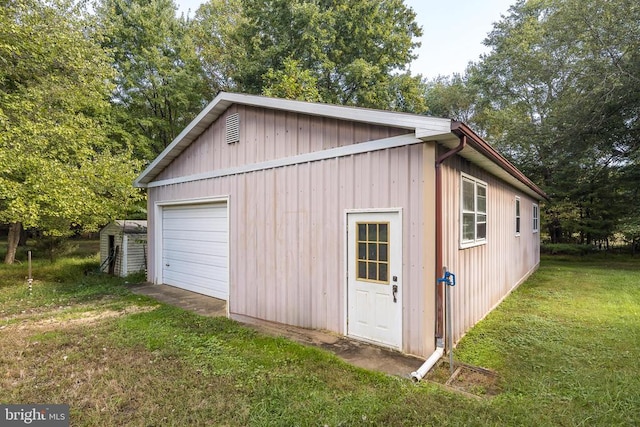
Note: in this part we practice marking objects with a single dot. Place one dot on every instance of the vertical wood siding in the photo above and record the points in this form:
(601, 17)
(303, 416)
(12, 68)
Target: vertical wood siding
(486, 273)
(287, 234)
(136, 253)
(115, 230)
(266, 135)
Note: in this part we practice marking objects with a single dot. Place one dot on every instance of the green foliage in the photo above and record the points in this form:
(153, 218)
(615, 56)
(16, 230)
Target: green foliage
(559, 95)
(214, 30)
(453, 97)
(291, 83)
(54, 247)
(59, 168)
(351, 52)
(565, 249)
(159, 81)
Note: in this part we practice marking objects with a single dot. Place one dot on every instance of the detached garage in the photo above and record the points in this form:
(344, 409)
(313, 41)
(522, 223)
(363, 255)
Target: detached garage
(340, 218)
(195, 247)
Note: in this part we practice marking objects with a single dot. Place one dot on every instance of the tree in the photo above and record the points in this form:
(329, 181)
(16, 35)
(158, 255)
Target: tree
(215, 30)
(354, 50)
(292, 82)
(560, 95)
(58, 167)
(159, 85)
(455, 97)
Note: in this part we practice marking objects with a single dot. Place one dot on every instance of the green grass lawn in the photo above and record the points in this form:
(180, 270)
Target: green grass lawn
(566, 345)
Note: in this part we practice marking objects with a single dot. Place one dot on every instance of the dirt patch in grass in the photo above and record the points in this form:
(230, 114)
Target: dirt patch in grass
(65, 316)
(467, 379)
(39, 340)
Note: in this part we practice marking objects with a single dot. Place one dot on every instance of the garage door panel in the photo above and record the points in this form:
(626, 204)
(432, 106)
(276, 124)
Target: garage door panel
(197, 271)
(202, 236)
(190, 224)
(215, 288)
(181, 277)
(194, 212)
(219, 260)
(195, 248)
(203, 261)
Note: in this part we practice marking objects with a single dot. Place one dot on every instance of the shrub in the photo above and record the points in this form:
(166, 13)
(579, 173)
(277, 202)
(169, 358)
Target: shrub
(565, 249)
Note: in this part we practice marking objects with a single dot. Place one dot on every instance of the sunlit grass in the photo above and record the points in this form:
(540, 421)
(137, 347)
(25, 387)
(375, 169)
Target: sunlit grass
(570, 339)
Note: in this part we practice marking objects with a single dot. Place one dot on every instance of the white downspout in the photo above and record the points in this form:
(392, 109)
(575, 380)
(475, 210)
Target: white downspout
(428, 364)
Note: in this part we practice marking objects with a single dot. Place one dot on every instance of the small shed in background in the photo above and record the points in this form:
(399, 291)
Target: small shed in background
(123, 247)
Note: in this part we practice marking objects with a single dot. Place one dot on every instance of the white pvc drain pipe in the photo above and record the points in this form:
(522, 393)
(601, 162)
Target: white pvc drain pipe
(428, 364)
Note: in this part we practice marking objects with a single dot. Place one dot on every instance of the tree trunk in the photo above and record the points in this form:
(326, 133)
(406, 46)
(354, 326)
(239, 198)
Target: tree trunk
(23, 237)
(12, 242)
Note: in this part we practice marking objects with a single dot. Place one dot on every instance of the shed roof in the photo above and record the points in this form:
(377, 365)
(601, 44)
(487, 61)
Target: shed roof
(444, 131)
(132, 226)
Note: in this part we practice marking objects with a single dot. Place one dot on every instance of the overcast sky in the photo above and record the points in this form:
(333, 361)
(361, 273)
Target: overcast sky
(453, 31)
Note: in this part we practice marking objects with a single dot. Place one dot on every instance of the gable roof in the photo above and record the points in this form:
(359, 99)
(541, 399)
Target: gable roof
(445, 131)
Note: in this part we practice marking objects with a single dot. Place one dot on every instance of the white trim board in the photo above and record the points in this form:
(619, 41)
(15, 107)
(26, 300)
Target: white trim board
(347, 150)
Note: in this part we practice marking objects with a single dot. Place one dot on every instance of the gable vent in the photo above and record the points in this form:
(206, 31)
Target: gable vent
(233, 128)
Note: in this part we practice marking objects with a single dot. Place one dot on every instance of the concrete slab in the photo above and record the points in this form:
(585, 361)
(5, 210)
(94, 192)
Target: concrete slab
(352, 351)
(198, 303)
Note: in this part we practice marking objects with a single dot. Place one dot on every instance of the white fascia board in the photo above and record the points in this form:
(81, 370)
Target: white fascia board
(433, 135)
(348, 150)
(171, 148)
(358, 114)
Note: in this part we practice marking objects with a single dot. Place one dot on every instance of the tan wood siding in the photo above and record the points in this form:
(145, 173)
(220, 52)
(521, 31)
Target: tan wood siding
(104, 246)
(488, 272)
(136, 253)
(266, 135)
(287, 236)
(115, 230)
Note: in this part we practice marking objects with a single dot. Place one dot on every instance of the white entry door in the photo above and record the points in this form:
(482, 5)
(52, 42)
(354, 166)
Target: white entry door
(374, 257)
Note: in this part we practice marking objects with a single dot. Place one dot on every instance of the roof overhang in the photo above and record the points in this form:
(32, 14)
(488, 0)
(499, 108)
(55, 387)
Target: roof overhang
(483, 155)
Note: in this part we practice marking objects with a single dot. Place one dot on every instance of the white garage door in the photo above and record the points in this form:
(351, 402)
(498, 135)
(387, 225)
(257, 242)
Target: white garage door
(195, 248)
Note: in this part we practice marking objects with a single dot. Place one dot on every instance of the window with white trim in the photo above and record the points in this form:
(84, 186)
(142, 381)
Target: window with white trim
(536, 218)
(473, 222)
(517, 216)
